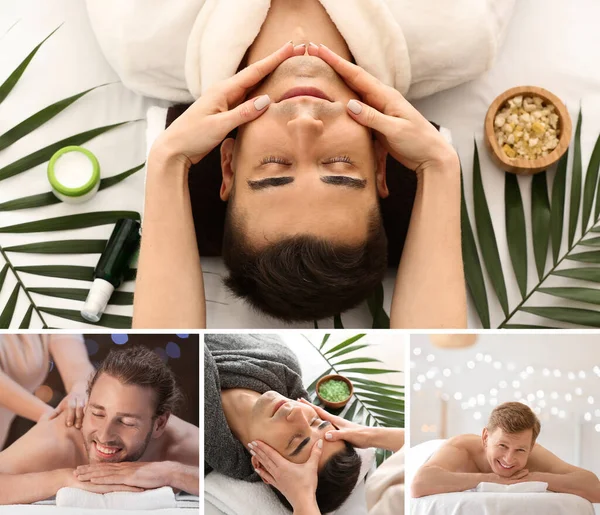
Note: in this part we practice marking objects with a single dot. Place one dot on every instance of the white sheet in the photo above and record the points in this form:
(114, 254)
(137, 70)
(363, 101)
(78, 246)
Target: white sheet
(159, 498)
(470, 503)
(30, 509)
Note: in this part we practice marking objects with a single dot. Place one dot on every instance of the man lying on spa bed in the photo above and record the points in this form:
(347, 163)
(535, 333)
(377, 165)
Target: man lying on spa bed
(129, 440)
(506, 453)
(303, 237)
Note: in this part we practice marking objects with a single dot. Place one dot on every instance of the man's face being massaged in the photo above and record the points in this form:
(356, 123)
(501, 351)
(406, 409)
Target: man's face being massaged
(119, 421)
(305, 160)
(507, 453)
(291, 428)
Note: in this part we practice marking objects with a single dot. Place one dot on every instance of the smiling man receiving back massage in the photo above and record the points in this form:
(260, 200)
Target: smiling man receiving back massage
(506, 453)
(129, 440)
(304, 237)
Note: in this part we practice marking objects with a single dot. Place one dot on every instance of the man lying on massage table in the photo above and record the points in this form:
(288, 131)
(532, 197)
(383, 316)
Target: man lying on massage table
(506, 453)
(129, 440)
(304, 236)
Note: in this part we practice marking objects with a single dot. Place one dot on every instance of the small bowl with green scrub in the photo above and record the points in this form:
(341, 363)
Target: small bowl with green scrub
(334, 390)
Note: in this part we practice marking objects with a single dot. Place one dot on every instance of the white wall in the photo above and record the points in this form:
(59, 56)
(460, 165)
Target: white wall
(472, 379)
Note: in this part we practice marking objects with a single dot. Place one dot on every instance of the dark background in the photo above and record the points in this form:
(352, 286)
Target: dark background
(181, 352)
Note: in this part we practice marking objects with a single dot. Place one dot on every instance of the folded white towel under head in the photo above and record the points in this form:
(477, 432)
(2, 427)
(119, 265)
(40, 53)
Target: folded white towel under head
(526, 487)
(161, 498)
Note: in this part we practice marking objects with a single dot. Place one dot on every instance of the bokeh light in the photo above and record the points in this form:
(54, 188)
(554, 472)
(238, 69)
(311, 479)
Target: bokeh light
(183, 335)
(92, 346)
(119, 339)
(173, 350)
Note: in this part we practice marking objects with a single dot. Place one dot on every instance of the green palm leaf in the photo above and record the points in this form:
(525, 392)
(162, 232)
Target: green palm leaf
(27, 318)
(540, 222)
(591, 242)
(515, 230)
(14, 77)
(575, 183)
(81, 273)
(118, 298)
(112, 321)
(381, 320)
(78, 221)
(47, 199)
(352, 361)
(472, 266)
(589, 190)
(352, 348)
(590, 295)
(9, 308)
(586, 257)
(487, 236)
(584, 274)
(61, 247)
(38, 119)
(557, 209)
(43, 155)
(575, 316)
(345, 343)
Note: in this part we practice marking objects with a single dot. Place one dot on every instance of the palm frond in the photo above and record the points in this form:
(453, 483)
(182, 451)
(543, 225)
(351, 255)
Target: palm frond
(547, 231)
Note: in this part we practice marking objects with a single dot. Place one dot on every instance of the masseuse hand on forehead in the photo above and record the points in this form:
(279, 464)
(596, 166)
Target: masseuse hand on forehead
(401, 129)
(220, 109)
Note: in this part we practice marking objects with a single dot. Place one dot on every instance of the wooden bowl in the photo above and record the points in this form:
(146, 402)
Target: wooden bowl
(521, 165)
(329, 404)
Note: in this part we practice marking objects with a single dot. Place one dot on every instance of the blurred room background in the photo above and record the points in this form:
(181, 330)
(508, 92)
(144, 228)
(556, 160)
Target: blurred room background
(453, 391)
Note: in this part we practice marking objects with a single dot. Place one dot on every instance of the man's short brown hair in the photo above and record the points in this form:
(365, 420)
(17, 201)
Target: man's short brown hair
(514, 417)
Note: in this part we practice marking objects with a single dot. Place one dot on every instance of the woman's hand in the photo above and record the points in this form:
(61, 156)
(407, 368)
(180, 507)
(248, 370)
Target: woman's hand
(74, 404)
(401, 129)
(298, 482)
(218, 111)
(353, 433)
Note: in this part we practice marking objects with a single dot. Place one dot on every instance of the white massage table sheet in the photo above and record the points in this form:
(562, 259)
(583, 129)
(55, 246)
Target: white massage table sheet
(33, 509)
(474, 503)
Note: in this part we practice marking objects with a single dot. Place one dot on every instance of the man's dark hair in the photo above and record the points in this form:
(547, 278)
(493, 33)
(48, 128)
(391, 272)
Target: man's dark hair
(138, 365)
(303, 278)
(337, 480)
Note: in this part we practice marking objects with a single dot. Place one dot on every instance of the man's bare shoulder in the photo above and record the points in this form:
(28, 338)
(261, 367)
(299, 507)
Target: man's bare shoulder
(49, 445)
(457, 454)
(182, 442)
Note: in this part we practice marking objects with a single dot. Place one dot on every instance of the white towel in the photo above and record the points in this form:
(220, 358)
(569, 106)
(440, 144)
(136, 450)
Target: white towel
(517, 488)
(255, 499)
(160, 498)
(175, 50)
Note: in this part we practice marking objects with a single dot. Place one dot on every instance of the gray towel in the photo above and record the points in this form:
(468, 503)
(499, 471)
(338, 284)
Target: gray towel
(258, 362)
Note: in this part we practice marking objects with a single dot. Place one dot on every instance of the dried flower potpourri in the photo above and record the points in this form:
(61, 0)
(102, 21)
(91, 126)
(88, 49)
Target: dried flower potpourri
(527, 127)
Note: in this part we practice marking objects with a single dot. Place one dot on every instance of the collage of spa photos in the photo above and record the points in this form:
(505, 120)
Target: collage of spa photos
(305, 422)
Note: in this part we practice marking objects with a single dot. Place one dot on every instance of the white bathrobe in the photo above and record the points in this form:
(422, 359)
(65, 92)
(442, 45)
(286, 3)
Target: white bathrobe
(175, 50)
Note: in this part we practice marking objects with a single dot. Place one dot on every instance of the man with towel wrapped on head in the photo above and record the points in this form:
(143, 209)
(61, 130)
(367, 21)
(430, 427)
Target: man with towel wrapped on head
(305, 236)
(129, 441)
(505, 454)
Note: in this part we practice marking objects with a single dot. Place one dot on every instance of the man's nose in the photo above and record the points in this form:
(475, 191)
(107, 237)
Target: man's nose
(105, 433)
(305, 126)
(296, 416)
(509, 458)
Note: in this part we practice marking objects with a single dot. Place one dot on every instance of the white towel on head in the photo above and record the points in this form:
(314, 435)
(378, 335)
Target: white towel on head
(160, 498)
(175, 50)
(255, 499)
(526, 487)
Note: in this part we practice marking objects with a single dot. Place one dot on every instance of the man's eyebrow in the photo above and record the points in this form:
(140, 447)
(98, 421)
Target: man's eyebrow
(335, 180)
(305, 442)
(269, 182)
(97, 406)
(343, 180)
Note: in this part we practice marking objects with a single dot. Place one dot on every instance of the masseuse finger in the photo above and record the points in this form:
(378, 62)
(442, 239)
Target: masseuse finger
(79, 413)
(266, 476)
(315, 453)
(71, 411)
(375, 92)
(371, 117)
(236, 87)
(224, 123)
(267, 456)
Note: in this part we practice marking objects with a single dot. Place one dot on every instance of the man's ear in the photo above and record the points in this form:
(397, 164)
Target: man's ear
(256, 464)
(484, 437)
(227, 168)
(380, 170)
(160, 424)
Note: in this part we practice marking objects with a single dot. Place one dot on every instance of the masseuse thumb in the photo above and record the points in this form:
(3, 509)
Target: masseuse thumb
(369, 116)
(334, 435)
(316, 451)
(245, 112)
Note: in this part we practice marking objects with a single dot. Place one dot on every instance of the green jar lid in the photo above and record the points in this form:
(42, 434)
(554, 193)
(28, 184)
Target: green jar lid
(79, 190)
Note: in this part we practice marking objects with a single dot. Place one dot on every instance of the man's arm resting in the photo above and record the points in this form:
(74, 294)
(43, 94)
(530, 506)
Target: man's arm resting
(183, 477)
(581, 482)
(33, 487)
(431, 480)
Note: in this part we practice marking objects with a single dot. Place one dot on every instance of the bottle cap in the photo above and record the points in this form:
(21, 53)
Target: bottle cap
(74, 174)
(97, 300)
